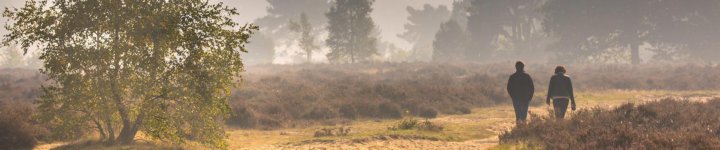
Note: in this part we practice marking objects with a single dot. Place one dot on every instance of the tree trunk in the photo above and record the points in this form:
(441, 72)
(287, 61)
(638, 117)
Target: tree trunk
(635, 53)
(309, 56)
(110, 131)
(127, 134)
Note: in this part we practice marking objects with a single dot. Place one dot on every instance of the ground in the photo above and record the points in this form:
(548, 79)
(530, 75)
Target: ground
(478, 130)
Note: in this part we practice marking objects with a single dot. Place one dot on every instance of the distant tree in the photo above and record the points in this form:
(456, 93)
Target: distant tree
(421, 28)
(262, 50)
(590, 28)
(510, 26)
(275, 24)
(351, 30)
(12, 57)
(459, 12)
(161, 67)
(450, 41)
(485, 22)
(307, 37)
(685, 28)
(280, 11)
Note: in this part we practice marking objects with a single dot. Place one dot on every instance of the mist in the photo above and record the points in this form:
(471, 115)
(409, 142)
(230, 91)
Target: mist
(360, 74)
(488, 36)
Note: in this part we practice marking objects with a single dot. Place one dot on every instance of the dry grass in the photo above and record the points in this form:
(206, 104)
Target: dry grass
(468, 100)
(275, 96)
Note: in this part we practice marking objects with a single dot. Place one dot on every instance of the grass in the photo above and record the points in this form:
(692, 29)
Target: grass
(473, 126)
(480, 124)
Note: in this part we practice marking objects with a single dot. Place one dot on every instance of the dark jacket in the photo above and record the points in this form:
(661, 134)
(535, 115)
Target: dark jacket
(561, 86)
(520, 86)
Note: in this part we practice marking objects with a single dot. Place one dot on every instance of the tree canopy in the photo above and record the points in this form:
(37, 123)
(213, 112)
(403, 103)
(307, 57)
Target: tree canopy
(421, 28)
(161, 67)
(307, 37)
(351, 31)
(607, 29)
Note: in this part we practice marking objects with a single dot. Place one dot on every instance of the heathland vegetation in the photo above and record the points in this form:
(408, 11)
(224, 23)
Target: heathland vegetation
(297, 96)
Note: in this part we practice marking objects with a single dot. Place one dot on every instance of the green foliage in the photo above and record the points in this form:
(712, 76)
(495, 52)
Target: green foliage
(161, 67)
(351, 28)
(410, 123)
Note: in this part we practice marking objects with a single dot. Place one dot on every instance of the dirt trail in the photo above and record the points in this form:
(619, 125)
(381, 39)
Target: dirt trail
(391, 144)
(397, 143)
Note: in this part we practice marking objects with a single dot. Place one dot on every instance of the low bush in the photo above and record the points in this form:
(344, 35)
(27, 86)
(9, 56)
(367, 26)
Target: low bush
(17, 130)
(322, 94)
(331, 131)
(427, 113)
(665, 124)
(410, 123)
(294, 95)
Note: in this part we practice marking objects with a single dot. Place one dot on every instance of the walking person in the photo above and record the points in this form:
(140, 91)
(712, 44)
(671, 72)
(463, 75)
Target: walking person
(521, 90)
(560, 91)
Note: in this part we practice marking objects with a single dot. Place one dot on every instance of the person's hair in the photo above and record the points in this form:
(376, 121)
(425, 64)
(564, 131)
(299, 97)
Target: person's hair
(519, 65)
(560, 69)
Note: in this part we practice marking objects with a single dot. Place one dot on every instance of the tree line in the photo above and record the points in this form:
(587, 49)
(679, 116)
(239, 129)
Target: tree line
(563, 31)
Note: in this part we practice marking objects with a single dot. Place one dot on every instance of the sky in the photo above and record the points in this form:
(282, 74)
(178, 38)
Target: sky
(389, 15)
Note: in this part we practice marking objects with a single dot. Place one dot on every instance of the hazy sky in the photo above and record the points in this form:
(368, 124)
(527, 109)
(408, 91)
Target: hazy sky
(390, 15)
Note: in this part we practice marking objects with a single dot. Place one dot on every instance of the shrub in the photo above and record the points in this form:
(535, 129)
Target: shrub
(348, 111)
(429, 126)
(242, 117)
(17, 130)
(328, 131)
(411, 123)
(390, 110)
(665, 124)
(405, 124)
(463, 110)
(320, 113)
(427, 112)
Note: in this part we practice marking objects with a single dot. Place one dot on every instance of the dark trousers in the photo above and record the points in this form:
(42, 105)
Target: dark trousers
(521, 109)
(561, 106)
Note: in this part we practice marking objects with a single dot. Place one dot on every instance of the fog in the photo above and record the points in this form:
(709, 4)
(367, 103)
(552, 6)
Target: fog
(501, 30)
(402, 74)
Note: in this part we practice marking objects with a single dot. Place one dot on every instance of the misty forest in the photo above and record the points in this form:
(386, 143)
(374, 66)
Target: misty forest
(360, 74)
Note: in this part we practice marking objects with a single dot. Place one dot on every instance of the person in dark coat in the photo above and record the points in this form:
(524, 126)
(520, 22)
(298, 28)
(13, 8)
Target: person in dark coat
(560, 91)
(521, 90)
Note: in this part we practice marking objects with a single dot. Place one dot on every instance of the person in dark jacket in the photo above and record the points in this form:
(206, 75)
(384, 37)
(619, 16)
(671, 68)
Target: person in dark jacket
(560, 91)
(521, 90)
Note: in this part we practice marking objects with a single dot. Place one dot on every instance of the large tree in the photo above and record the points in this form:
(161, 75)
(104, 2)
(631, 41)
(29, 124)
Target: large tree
(275, 24)
(590, 28)
(351, 31)
(506, 28)
(689, 27)
(421, 28)
(450, 41)
(596, 29)
(280, 11)
(161, 67)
